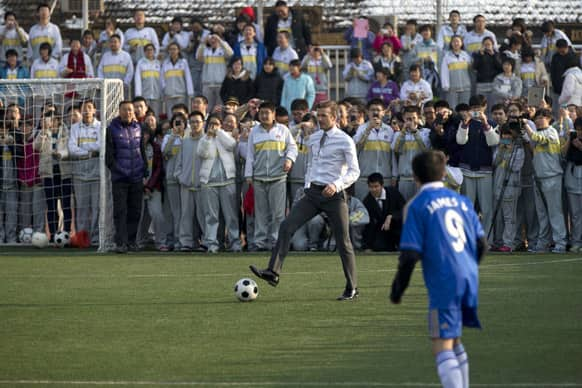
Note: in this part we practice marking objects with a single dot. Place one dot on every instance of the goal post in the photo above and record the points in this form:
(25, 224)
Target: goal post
(52, 184)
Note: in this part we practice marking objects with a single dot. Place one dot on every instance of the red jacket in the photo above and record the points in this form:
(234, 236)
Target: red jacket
(380, 39)
(156, 168)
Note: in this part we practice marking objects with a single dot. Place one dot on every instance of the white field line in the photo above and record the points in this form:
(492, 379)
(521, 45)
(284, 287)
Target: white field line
(267, 384)
(297, 273)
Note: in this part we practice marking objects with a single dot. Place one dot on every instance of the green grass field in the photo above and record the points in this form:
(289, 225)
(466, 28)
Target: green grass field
(71, 319)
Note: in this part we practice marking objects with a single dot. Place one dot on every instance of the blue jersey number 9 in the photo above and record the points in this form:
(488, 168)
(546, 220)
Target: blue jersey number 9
(454, 224)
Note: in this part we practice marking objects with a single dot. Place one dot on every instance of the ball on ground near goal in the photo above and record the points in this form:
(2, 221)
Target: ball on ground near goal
(25, 235)
(246, 290)
(40, 240)
(62, 239)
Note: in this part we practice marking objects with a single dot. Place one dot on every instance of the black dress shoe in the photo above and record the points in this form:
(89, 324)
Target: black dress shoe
(121, 249)
(266, 274)
(349, 294)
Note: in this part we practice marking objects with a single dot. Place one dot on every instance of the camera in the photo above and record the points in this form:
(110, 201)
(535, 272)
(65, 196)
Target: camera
(178, 122)
(515, 123)
(475, 114)
(440, 119)
(573, 135)
(353, 118)
(376, 115)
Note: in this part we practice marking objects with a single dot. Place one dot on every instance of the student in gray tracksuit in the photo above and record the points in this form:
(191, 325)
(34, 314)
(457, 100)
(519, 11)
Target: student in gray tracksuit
(170, 148)
(297, 175)
(374, 145)
(217, 179)
(271, 153)
(548, 183)
(84, 145)
(187, 174)
(408, 143)
(508, 162)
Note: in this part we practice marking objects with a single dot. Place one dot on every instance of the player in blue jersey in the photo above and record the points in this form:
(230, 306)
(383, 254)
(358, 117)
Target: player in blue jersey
(442, 230)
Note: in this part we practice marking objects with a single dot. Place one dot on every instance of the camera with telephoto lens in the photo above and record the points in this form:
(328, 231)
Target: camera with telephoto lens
(515, 124)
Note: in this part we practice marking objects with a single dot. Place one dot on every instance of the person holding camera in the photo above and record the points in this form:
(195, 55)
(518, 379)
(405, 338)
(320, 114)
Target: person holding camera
(214, 53)
(374, 144)
(478, 138)
(317, 64)
(412, 140)
(358, 75)
(176, 35)
(548, 182)
(218, 188)
(508, 162)
(12, 36)
(573, 184)
(356, 117)
(171, 146)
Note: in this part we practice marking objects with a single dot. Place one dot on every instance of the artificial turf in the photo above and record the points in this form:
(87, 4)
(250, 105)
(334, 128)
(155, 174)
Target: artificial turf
(69, 318)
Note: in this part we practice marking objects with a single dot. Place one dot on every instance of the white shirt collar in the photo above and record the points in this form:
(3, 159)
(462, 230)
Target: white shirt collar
(432, 185)
(383, 195)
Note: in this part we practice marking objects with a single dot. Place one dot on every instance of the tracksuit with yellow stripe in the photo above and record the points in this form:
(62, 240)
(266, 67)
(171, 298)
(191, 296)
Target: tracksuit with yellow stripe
(267, 151)
(406, 146)
(176, 82)
(548, 188)
(147, 83)
(456, 78)
(375, 154)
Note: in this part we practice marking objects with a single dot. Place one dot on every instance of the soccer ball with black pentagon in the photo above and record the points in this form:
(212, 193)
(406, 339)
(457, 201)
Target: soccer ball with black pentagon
(62, 239)
(246, 290)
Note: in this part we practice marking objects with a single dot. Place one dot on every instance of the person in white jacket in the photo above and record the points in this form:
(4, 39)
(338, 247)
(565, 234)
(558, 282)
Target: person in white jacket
(217, 179)
(572, 87)
(416, 91)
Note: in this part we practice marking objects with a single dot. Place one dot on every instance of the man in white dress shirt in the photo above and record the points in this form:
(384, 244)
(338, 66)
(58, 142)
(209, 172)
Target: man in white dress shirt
(331, 168)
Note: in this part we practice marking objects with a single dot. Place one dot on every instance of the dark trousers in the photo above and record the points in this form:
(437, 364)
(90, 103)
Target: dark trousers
(309, 206)
(56, 188)
(127, 200)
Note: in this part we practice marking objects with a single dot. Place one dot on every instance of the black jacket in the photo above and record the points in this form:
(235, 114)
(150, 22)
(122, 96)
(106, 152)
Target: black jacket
(299, 29)
(558, 67)
(377, 239)
(487, 66)
(242, 88)
(269, 86)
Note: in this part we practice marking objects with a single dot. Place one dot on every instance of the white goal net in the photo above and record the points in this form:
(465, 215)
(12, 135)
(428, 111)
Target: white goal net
(53, 178)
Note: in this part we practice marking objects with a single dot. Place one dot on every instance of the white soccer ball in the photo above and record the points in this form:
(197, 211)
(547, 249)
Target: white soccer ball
(62, 239)
(40, 240)
(25, 235)
(246, 290)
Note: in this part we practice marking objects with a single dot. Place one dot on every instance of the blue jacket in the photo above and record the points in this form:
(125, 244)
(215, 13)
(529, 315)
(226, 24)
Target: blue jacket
(261, 54)
(125, 152)
(22, 72)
